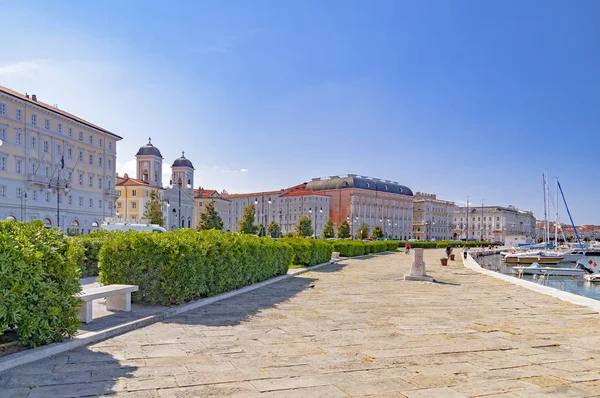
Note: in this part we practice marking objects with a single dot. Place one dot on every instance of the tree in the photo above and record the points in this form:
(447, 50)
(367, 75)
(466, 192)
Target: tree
(304, 226)
(274, 230)
(210, 218)
(363, 231)
(344, 230)
(377, 232)
(247, 225)
(153, 209)
(328, 229)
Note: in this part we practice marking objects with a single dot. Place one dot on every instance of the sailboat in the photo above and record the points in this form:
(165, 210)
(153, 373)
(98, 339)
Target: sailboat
(542, 256)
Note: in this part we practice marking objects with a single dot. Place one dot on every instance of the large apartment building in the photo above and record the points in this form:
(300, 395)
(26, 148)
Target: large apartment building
(494, 223)
(432, 217)
(374, 201)
(54, 166)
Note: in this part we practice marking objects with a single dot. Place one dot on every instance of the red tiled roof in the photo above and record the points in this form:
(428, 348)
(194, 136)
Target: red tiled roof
(127, 181)
(303, 193)
(204, 193)
(55, 110)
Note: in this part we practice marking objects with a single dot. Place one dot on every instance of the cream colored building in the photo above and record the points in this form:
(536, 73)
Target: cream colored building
(202, 197)
(54, 166)
(432, 217)
(494, 223)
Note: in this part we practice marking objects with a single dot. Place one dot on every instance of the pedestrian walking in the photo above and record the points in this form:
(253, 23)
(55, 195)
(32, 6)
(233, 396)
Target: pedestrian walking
(448, 251)
(465, 250)
(407, 247)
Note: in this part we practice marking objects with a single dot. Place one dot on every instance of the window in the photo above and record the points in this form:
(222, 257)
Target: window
(59, 149)
(47, 196)
(34, 195)
(70, 153)
(80, 155)
(91, 181)
(34, 119)
(19, 193)
(100, 203)
(19, 166)
(118, 205)
(91, 158)
(110, 146)
(81, 136)
(80, 178)
(47, 124)
(100, 161)
(2, 191)
(59, 127)
(91, 139)
(33, 142)
(101, 143)
(81, 201)
(109, 164)
(100, 182)
(19, 138)
(33, 168)
(70, 200)
(46, 146)
(19, 115)
(2, 109)
(2, 162)
(134, 193)
(91, 202)
(70, 132)
(133, 205)
(46, 171)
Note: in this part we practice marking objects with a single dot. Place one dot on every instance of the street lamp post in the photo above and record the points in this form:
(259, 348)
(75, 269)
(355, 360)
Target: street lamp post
(313, 220)
(268, 216)
(320, 212)
(57, 186)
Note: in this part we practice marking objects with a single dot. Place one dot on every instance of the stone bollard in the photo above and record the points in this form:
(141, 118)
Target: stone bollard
(417, 269)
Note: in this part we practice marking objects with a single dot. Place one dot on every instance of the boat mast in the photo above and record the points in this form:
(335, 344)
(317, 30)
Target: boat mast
(569, 213)
(548, 199)
(556, 222)
(545, 211)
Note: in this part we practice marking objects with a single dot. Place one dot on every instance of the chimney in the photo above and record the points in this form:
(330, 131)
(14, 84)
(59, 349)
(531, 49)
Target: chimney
(34, 97)
(27, 95)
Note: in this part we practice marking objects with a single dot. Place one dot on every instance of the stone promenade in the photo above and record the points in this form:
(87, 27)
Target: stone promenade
(350, 329)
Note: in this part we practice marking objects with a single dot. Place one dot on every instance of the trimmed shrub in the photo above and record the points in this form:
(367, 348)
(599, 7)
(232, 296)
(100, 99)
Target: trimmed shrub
(175, 267)
(349, 248)
(39, 276)
(92, 243)
(442, 244)
(377, 246)
(309, 252)
(392, 245)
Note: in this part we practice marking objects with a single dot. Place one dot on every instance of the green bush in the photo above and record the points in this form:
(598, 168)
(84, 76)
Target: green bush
(392, 245)
(175, 267)
(39, 276)
(309, 252)
(349, 248)
(92, 243)
(377, 246)
(442, 244)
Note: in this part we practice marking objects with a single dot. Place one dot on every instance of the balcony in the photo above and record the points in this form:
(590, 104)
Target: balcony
(37, 179)
(111, 192)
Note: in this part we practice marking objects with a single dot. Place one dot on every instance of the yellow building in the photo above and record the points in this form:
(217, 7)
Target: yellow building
(133, 196)
(54, 166)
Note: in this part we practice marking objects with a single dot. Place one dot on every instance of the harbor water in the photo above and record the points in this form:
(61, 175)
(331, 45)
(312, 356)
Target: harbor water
(572, 284)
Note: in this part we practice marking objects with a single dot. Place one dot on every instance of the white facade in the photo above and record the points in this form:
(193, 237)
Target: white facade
(54, 166)
(432, 217)
(493, 223)
(202, 197)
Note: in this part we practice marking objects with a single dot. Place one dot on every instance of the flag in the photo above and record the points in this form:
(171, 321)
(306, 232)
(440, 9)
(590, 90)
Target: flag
(62, 162)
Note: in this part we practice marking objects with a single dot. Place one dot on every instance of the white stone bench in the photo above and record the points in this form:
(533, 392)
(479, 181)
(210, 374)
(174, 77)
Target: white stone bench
(335, 257)
(118, 298)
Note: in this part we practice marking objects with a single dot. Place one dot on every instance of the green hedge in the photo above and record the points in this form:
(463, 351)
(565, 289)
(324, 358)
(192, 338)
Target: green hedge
(175, 267)
(442, 244)
(92, 243)
(353, 248)
(309, 252)
(39, 275)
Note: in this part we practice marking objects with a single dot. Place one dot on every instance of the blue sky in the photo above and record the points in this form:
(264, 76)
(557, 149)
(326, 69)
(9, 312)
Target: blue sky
(455, 98)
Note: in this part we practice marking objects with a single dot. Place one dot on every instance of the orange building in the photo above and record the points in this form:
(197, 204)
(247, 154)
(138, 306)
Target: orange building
(373, 201)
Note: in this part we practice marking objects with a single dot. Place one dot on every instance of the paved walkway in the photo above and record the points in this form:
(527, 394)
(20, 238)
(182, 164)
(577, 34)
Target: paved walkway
(345, 330)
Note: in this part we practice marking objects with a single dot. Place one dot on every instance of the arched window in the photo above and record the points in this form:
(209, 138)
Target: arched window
(11, 218)
(47, 222)
(95, 224)
(75, 223)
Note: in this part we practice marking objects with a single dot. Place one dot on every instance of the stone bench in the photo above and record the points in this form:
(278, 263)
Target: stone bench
(335, 257)
(118, 298)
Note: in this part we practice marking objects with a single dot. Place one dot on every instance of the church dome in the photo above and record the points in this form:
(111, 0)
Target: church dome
(183, 162)
(149, 149)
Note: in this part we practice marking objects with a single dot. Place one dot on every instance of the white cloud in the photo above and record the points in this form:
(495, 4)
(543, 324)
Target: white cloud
(128, 167)
(244, 170)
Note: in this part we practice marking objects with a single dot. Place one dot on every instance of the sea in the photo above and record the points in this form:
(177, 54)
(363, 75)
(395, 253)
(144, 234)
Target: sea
(576, 285)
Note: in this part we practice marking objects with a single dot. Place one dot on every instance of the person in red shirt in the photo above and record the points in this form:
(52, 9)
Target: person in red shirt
(407, 247)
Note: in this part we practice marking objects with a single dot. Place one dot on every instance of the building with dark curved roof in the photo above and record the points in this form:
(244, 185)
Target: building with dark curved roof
(373, 201)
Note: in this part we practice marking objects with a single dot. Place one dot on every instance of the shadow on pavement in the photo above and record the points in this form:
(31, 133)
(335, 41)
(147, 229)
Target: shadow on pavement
(80, 372)
(328, 268)
(446, 283)
(240, 308)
